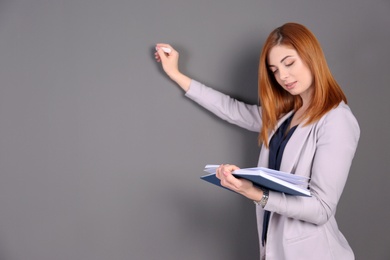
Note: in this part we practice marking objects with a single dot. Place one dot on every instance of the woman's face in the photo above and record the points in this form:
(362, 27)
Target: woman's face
(290, 71)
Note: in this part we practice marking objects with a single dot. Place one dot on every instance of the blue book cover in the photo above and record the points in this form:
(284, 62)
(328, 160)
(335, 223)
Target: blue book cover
(273, 180)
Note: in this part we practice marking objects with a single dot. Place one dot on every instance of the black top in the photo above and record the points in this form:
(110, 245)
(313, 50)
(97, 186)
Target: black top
(276, 148)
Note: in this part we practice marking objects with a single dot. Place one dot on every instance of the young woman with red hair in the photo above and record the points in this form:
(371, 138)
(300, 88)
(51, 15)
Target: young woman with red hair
(306, 128)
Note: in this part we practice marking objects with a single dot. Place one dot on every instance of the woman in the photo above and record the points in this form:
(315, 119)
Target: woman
(306, 128)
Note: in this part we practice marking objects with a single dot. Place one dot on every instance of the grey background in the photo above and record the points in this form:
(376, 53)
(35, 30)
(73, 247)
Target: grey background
(101, 154)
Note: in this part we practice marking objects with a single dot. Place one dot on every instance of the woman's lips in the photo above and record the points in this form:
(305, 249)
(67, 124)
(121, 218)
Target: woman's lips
(291, 85)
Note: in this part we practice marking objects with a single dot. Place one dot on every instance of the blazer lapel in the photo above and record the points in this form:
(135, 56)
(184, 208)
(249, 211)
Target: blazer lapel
(294, 147)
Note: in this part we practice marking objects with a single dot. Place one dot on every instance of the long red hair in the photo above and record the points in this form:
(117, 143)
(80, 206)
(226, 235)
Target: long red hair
(275, 101)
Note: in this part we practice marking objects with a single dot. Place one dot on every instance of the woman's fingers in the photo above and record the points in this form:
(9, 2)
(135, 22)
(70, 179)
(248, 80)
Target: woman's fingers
(164, 50)
(228, 180)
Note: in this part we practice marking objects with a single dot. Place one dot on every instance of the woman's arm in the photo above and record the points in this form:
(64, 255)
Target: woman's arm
(225, 107)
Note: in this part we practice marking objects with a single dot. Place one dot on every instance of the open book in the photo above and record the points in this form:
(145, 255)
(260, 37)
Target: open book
(273, 180)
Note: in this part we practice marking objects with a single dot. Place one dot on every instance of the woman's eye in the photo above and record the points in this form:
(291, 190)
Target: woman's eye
(289, 64)
(274, 71)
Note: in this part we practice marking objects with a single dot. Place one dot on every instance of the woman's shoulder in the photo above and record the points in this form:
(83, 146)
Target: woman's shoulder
(341, 110)
(340, 116)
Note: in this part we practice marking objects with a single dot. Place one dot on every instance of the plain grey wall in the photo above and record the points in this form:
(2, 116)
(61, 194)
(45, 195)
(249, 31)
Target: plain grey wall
(100, 153)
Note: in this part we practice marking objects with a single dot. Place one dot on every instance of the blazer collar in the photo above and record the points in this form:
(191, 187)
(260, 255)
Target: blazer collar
(280, 122)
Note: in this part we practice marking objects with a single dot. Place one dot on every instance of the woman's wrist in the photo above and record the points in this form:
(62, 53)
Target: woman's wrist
(182, 80)
(259, 196)
(254, 194)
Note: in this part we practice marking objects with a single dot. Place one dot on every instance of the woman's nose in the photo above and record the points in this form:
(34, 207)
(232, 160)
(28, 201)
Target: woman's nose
(283, 74)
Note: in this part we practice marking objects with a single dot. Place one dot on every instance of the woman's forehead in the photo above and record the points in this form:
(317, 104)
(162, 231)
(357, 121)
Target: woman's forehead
(278, 53)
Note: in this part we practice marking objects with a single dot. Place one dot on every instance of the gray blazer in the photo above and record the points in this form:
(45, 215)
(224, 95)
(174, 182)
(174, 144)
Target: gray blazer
(299, 227)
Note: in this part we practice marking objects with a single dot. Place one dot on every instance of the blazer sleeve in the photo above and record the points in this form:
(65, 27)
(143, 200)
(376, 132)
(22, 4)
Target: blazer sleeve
(336, 137)
(227, 108)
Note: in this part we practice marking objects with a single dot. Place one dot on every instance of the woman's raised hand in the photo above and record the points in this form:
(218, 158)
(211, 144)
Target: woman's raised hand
(170, 64)
(169, 61)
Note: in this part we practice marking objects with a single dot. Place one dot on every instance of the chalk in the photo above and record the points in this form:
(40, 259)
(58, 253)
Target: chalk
(165, 49)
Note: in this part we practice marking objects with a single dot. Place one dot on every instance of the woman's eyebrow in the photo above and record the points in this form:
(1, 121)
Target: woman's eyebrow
(288, 56)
